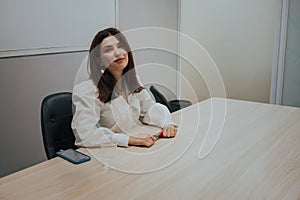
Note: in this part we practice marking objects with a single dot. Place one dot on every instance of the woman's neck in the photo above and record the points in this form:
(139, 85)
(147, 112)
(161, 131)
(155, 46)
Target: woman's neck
(117, 75)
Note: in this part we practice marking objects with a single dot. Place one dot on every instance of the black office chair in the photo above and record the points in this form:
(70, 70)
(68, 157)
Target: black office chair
(56, 117)
(159, 97)
(172, 105)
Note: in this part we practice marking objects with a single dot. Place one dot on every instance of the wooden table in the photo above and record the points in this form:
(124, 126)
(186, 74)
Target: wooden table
(257, 156)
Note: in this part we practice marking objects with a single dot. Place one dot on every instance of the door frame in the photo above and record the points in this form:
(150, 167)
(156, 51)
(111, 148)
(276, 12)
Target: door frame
(279, 53)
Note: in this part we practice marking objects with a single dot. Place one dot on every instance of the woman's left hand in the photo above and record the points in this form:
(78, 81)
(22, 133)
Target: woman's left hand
(169, 131)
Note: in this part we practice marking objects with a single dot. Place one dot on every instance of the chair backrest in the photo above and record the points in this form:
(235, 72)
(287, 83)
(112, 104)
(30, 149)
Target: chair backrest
(172, 105)
(159, 97)
(56, 117)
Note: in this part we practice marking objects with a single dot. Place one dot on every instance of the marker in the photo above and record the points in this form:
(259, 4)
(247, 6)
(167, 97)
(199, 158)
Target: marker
(158, 135)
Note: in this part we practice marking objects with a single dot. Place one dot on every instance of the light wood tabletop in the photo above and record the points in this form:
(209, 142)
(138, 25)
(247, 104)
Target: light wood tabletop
(255, 155)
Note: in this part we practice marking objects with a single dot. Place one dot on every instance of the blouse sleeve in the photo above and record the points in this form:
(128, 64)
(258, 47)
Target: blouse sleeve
(85, 122)
(154, 113)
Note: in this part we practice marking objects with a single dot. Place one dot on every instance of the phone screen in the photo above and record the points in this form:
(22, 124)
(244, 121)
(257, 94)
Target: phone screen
(73, 156)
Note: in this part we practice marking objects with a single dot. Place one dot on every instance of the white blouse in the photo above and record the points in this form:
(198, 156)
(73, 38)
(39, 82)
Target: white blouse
(97, 124)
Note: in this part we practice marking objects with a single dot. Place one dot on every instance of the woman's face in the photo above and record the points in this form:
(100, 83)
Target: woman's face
(113, 55)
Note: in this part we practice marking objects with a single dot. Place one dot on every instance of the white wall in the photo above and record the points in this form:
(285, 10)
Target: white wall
(153, 65)
(25, 81)
(239, 36)
(34, 24)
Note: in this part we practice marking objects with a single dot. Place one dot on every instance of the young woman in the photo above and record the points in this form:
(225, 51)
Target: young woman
(112, 100)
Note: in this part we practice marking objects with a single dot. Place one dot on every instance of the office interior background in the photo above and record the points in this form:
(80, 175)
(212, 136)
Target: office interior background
(246, 40)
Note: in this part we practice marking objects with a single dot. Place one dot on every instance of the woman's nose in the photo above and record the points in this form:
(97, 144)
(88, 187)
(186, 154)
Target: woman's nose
(118, 52)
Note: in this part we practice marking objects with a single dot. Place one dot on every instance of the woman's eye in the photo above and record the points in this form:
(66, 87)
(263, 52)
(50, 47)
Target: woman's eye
(120, 45)
(107, 49)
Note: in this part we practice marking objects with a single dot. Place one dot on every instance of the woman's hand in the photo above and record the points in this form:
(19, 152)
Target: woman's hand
(169, 131)
(147, 141)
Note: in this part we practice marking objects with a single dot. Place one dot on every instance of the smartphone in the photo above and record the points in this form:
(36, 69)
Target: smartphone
(73, 156)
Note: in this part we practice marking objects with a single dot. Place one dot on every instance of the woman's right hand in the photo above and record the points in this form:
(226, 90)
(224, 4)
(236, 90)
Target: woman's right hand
(147, 141)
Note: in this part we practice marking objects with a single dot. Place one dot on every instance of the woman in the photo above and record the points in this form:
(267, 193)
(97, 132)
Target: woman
(112, 100)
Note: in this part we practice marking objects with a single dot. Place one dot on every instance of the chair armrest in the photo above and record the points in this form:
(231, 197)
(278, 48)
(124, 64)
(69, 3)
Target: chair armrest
(179, 104)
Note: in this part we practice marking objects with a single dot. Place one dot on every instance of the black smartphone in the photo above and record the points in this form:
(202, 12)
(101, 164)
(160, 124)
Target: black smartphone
(73, 156)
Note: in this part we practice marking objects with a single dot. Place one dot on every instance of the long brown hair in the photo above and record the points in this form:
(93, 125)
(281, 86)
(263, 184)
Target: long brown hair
(103, 79)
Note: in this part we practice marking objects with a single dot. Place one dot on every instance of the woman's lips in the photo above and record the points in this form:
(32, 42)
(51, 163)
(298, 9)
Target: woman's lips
(119, 60)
